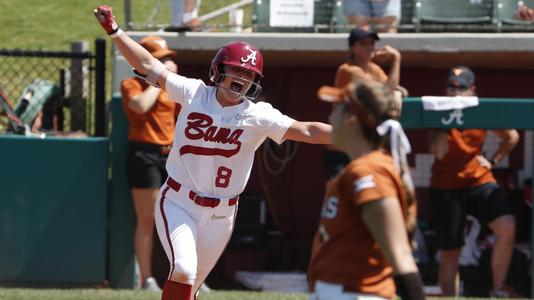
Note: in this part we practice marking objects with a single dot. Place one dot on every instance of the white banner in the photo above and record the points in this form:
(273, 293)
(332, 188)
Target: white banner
(291, 13)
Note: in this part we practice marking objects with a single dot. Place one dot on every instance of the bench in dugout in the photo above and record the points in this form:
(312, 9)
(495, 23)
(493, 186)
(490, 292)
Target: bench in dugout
(38, 99)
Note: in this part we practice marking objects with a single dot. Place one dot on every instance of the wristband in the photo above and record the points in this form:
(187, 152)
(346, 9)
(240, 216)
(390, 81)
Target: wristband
(153, 74)
(116, 33)
(409, 286)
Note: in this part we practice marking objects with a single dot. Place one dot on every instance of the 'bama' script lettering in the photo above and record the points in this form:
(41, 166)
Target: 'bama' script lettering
(200, 126)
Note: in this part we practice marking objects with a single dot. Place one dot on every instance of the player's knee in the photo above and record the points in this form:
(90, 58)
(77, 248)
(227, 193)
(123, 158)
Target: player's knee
(504, 227)
(146, 224)
(450, 256)
(182, 278)
(184, 273)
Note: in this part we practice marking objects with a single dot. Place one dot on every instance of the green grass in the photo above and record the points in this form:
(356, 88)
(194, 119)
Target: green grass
(54, 24)
(108, 294)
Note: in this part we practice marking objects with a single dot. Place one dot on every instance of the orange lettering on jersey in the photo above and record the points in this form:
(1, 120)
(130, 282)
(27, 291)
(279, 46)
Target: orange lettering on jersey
(200, 127)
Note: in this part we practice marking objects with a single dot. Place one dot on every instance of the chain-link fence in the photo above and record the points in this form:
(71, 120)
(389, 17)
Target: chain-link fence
(49, 92)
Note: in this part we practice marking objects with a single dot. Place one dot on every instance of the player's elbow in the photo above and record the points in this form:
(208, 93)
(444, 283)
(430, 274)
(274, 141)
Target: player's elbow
(146, 65)
(136, 106)
(318, 133)
(513, 137)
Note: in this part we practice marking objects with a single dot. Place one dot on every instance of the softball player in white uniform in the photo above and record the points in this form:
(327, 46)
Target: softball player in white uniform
(217, 132)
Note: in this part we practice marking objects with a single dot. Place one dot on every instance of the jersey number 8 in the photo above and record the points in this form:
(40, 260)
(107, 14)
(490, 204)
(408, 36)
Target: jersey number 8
(223, 177)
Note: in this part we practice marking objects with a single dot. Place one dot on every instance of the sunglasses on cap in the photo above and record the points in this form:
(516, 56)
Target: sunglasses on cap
(453, 88)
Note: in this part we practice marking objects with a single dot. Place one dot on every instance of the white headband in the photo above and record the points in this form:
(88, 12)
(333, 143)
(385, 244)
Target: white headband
(400, 146)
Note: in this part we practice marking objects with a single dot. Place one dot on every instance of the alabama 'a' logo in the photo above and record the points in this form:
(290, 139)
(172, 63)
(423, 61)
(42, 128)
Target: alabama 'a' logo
(200, 126)
(250, 57)
(454, 115)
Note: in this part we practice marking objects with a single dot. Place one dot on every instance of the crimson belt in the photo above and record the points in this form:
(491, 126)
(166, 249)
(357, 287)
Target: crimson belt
(199, 200)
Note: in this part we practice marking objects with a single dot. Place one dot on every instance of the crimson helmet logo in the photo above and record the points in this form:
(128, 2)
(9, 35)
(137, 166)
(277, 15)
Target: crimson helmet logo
(251, 57)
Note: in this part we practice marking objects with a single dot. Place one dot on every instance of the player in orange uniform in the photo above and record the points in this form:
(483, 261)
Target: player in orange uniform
(362, 65)
(462, 183)
(363, 58)
(151, 119)
(361, 249)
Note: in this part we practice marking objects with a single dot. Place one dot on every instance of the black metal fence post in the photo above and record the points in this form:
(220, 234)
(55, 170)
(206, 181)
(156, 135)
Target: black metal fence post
(128, 14)
(100, 87)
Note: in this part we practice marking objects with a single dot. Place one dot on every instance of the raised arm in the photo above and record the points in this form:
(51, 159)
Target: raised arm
(393, 80)
(394, 70)
(309, 132)
(137, 56)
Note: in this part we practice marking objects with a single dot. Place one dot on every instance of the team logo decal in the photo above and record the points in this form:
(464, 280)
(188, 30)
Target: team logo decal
(161, 43)
(251, 57)
(363, 183)
(455, 114)
(240, 116)
(200, 126)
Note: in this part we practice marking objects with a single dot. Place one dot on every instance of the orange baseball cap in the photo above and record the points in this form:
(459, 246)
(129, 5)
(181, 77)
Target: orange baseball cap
(158, 47)
(346, 95)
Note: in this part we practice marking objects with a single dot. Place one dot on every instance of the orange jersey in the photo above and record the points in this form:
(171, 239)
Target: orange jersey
(346, 72)
(156, 126)
(459, 168)
(344, 250)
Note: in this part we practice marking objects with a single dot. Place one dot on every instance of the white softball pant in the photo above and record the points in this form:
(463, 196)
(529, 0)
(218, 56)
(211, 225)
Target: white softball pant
(193, 236)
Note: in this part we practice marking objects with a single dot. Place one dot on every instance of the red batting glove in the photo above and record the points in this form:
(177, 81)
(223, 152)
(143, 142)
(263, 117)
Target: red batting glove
(105, 17)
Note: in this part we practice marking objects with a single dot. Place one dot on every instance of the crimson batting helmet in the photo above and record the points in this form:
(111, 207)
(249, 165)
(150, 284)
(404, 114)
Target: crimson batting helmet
(239, 54)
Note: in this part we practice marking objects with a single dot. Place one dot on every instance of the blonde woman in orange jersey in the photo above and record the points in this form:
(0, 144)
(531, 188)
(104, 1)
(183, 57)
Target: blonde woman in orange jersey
(361, 249)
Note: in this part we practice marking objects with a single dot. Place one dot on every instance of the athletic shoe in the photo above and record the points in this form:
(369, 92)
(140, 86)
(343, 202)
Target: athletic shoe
(505, 292)
(150, 284)
(204, 288)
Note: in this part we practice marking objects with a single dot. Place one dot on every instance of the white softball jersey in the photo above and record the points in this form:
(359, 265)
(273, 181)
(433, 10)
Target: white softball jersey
(213, 149)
